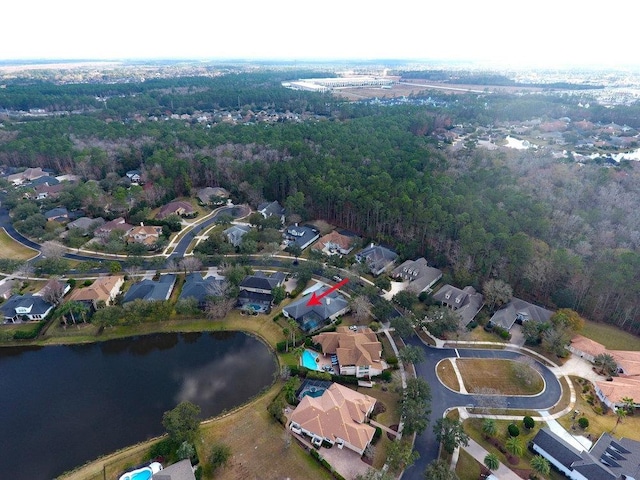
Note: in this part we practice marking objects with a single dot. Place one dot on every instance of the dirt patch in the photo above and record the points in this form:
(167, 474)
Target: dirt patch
(391, 436)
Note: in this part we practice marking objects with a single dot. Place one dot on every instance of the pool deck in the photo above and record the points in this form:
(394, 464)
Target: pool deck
(322, 360)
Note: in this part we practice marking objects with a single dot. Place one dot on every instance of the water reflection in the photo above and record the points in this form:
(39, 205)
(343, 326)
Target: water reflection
(73, 404)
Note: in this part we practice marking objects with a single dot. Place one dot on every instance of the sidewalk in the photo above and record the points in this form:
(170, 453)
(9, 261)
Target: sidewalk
(503, 472)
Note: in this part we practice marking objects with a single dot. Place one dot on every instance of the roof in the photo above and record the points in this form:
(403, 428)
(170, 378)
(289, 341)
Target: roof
(624, 452)
(115, 224)
(619, 388)
(145, 234)
(360, 348)
(100, 289)
(181, 470)
(35, 303)
(311, 316)
(56, 212)
(262, 281)
(467, 302)
(84, 223)
(205, 194)
(174, 207)
(151, 289)
(195, 286)
(338, 414)
(377, 257)
(271, 208)
(420, 275)
(628, 361)
(517, 308)
(588, 346)
(235, 233)
(301, 236)
(335, 240)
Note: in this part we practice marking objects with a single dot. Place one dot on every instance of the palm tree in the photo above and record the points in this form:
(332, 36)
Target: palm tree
(514, 446)
(620, 414)
(606, 363)
(540, 465)
(71, 308)
(629, 405)
(489, 427)
(491, 461)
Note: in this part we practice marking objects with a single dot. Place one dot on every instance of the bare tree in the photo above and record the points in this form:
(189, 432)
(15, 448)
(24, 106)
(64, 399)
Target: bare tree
(487, 399)
(497, 293)
(190, 264)
(52, 249)
(219, 300)
(361, 308)
(53, 291)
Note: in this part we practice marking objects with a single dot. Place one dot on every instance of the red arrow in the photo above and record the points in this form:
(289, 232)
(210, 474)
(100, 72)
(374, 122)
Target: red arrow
(314, 301)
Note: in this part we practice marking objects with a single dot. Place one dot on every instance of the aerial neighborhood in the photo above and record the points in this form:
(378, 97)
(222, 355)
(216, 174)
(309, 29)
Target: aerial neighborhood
(397, 276)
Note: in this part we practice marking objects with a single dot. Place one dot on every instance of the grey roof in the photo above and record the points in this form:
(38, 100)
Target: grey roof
(85, 223)
(312, 317)
(205, 194)
(301, 236)
(622, 456)
(378, 258)
(37, 304)
(271, 208)
(56, 212)
(197, 287)
(235, 233)
(150, 289)
(419, 273)
(466, 302)
(552, 444)
(46, 180)
(181, 470)
(263, 281)
(519, 309)
(246, 296)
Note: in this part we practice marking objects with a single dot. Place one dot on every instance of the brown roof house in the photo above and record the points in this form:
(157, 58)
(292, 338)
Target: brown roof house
(335, 243)
(117, 224)
(337, 417)
(147, 235)
(212, 196)
(177, 207)
(356, 353)
(26, 176)
(103, 289)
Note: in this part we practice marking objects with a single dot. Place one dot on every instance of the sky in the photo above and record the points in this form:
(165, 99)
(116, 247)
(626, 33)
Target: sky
(551, 33)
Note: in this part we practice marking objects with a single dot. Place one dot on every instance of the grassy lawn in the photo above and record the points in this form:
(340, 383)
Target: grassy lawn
(9, 248)
(473, 427)
(447, 375)
(467, 468)
(501, 375)
(610, 336)
(599, 422)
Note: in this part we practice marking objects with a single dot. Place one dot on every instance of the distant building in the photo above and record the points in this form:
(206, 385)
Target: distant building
(20, 308)
(270, 209)
(199, 288)
(177, 207)
(379, 259)
(302, 236)
(518, 310)
(151, 289)
(312, 318)
(235, 233)
(103, 289)
(418, 273)
(335, 243)
(466, 302)
(212, 196)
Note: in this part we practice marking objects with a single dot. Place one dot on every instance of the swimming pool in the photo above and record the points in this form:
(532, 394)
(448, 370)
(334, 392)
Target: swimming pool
(144, 473)
(308, 360)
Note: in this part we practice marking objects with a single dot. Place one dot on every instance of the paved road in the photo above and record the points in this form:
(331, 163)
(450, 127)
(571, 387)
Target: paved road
(442, 398)
(236, 211)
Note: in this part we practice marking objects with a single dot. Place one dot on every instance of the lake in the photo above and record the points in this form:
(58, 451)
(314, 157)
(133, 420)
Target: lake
(61, 406)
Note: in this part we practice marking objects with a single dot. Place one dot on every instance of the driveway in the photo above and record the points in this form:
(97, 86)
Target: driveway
(442, 398)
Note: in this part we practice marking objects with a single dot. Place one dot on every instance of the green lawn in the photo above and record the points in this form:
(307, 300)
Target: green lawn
(610, 336)
(13, 250)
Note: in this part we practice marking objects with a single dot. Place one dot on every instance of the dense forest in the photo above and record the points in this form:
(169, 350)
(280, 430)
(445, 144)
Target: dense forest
(562, 234)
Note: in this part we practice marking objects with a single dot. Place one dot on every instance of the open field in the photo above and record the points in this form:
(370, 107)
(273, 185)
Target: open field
(447, 375)
(13, 250)
(502, 375)
(610, 336)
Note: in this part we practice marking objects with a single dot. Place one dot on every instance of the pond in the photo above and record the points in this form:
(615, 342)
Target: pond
(64, 405)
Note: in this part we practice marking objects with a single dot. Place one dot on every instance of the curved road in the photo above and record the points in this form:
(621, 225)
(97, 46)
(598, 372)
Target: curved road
(442, 398)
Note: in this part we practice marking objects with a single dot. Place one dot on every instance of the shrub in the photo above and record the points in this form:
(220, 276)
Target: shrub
(391, 360)
(472, 325)
(528, 422)
(513, 430)
(165, 448)
(583, 422)
(385, 376)
(376, 435)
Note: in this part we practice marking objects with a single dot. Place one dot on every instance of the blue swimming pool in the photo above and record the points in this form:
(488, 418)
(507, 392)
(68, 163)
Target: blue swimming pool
(308, 360)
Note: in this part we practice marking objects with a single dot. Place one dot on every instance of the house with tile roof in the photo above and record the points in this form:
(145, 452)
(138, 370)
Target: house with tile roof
(357, 353)
(313, 317)
(151, 290)
(607, 459)
(26, 176)
(418, 273)
(338, 417)
(335, 243)
(103, 289)
(147, 235)
(466, 302)
(378, 259)
(118, 224)
(520, 311)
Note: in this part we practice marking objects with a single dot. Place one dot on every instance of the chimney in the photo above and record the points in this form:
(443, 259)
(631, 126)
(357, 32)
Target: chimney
(328, 301)
(142, 224)
(371, 244)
